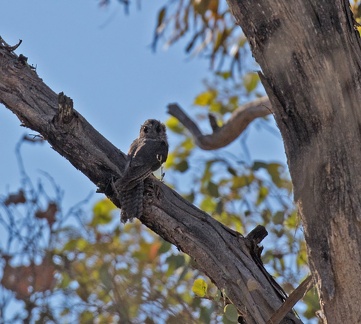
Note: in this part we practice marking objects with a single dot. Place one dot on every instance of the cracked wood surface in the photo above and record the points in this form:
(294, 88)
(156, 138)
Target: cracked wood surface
(309, 53)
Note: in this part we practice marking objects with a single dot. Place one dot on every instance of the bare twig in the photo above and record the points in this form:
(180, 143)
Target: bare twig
(226, 134)
(291, 301)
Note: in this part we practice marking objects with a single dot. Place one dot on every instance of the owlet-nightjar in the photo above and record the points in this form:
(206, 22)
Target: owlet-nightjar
(146, 155)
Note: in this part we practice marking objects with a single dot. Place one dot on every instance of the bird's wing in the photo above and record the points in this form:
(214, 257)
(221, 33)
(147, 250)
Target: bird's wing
(148, 157)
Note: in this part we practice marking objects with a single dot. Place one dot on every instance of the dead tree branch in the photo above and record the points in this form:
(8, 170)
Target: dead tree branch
(221, 253)
(235, 125)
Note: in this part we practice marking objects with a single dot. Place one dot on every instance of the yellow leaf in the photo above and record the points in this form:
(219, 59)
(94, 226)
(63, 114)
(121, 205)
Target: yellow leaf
(205, 98)
(200, 287)
(174, 125)
(170, 160)
(102, 212)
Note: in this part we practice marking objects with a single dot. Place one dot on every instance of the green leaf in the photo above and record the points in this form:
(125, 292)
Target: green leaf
(175, 261)
(234, 102)
(259, 165)
(86, 317)
(312, 302)
(200, 287)
(292, 221)
(190, 197)
(230, 311)
(274, 172)
(250, 81)
(182, 166)
(76, 244)
(70, 245)
(65, 280)
(207, 175)
(225, 320)
(219, 39)
(266, 215)
(279, 233)
(102, 212)
(188, 144)
(262, 194)
(170, 160)
(105, 276)
(165, 247)
(224, 75)
(215, 106)
(82, 244)
(219, 208)
(205, 314)
(218, 296)
(278, 218)
(242, 181)
(208, 204)
(213, 189)
(232, 171)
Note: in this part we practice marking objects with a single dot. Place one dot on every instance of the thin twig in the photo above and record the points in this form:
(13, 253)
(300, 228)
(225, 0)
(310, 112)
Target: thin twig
(291, 301)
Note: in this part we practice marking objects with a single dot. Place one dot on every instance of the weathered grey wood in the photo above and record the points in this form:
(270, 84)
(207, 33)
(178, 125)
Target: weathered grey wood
(222, 254)
(309, 52)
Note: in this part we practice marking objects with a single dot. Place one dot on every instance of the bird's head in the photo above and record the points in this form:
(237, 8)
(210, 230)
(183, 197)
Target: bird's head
(152, 128)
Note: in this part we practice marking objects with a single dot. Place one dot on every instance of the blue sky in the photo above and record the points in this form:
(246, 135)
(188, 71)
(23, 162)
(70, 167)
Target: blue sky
(102, 59)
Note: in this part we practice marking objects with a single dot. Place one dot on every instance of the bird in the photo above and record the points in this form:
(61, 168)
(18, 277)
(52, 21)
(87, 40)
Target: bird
(146, 154)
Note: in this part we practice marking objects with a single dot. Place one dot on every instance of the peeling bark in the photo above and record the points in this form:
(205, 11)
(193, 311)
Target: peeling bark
(309, 52)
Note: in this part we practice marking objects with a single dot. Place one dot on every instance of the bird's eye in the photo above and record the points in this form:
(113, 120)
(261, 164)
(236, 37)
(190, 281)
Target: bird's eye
(145, 129)
(158, 129)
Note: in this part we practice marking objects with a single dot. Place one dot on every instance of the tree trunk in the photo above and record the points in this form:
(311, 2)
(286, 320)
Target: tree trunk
(309, 53)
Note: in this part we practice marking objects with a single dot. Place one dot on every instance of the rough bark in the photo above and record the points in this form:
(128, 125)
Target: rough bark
(309, 53)
(230, 260)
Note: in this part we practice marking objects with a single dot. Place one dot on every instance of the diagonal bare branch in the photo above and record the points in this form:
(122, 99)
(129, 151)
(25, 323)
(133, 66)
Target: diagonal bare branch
(292, 300)
(221, 253)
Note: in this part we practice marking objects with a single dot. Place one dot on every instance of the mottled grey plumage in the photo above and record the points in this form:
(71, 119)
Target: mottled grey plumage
(146, 154)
